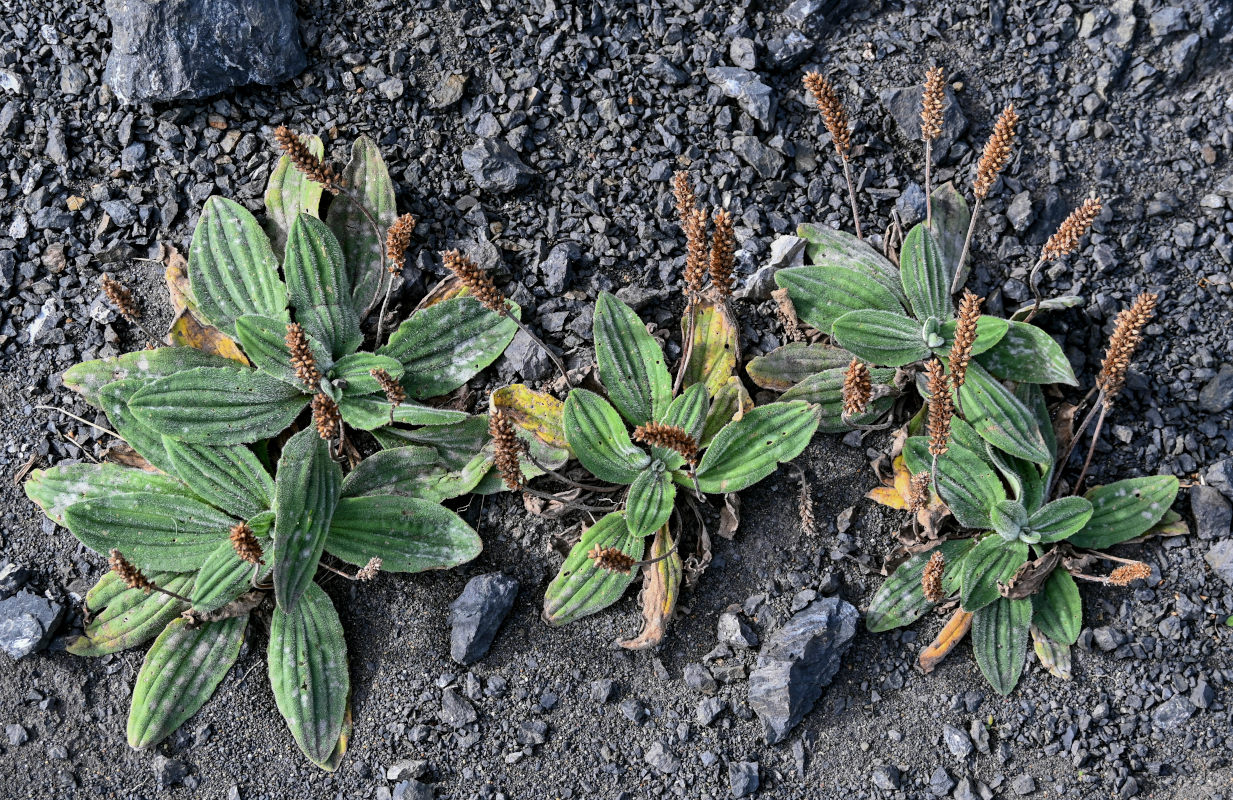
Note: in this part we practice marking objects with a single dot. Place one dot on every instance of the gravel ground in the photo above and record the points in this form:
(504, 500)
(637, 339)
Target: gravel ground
(601, 102)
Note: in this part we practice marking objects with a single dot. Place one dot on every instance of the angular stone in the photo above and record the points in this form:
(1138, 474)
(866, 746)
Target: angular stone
(477, 613)
(661, 758)
(766, 161)
(904, 104)
(27, 623)
(1173, 712)
(1220, 559)
(735, 633)
(495, 167)
(743, 778)
(1216, 396)
(1213, 516)
(753, 96)
(957, 741)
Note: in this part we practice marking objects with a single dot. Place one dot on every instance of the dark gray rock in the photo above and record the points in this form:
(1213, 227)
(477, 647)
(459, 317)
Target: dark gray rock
(797, 662)
(1173, 712)
(12, 578)
(743, 778)
(766, 161)
(753, 96)
(786, 251)
(661, 758)
(734, 632)
(17, 734)
(1213, 515)
(709, 710)
(904, 104)
(448, 91)
(1020, 212)
(412, 790)
(495, 167)
(1218, 475)
(940, 782)
(190, 49)
(1023, 784)
(886, 777)
(169, 771)
(957, 741)
(555, 268)
(699, 678)
(602, 690)
(477, 613)
(1216, 396)
(27, 623)
(403, 770)
(1220, 559)
(787, 50)
(526, 358)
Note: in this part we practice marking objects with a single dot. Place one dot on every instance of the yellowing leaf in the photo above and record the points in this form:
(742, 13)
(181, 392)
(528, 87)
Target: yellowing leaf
(712, 358)
(187, 331)
(888, 496)
(537, 413)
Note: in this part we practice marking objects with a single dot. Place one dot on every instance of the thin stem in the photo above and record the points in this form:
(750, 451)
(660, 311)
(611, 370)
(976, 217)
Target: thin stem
(1033, 284)
(687, 349)
(928, 173)
(170, 593)
(856, 220)
(961, 277)
(542, 346)
(385, 303)
(657, 559)
(566, 480)
(337, 571)
(149, 334)
(1078, 434)
(82, 421)
(1087, 462)
(567, 503)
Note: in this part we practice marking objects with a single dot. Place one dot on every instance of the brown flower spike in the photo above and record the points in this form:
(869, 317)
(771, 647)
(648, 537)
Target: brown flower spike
(931, 580)
(918, 492)
(696, 259)
(133, 577)
(245, 543)
(1066, 240)
(669, 437)
(304, 160)
(965, 337)
(941, 408)
(397, 240)
(477, 280)
(683, 193)
(1127, 334)
(369, 571)
(395, 395)
(611, 559)
(302, 356)
(931, 105)
(1125, 574)
(121, 298)
(507, 448)
(997, 152)
(857, 388)
(723, 253)
(786, 311)
(326, 416)
(833, 113)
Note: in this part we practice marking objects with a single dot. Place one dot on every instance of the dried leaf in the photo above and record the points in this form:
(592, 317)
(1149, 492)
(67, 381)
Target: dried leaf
(446, 289)
(238, 607)
(730, 516)
(179, 291)
(187, 331)
(1030, 577)
(955, 629)
(126, 456)
(661, 587)
(1064, 426)
(535, 412)
(844, 519)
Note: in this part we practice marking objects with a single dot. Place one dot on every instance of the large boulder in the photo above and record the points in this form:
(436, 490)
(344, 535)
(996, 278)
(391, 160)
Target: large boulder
(187, 49)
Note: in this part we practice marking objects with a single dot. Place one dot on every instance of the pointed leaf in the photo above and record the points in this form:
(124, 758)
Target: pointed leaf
(370, 412)
(88, 377)
(826, 390)
(581, 588)
(265, 342)
(630, 361)
(407, 534)
(537, 413)
(368, 179)
(650, 502)
(1000, 418)
(883, 338)
(318, 286)
(746, 451)
(828, 247)
(1048, 304)
(926, 279)
(786, 366)
(444, 346)
(308, 673)
(154, 531)
(949, 227)
(232, 267)
(729, 403)
(188, 331)
(456, 443)
(289, 192)
(393, 471)
(901, 599)
(712, 358)
(355, 372)
(1125, 509)
(145, 440)
(1028, 355)
(306, 489)
(991, 562)
(125, 617)
(1053, 655)
(55, 489)
(229, 478)
(999, 641)
(1058, 609)
(181, 671)
(599, 439)
(966, 483)
(225, 576)
(821, 295)
(989, 331)
(1060, 519)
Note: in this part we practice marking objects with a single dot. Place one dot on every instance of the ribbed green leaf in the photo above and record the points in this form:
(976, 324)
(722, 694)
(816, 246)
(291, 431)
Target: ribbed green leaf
(55, 489)
(289, 192)
(1031, 395)
(992, 561)
(265, 343)
(989, 331)
(1125, 509)
(581, 588)
(1059, 303)
(154, 531)
(232, 268)
(599, 439)
(318, 286)
(306, 489)
(999, 641)
(926, 279)
(370, 412)
(786, 366)
(355, 372)
(225, 576)
(650, 501)
(630, 361)
(229, 478)
(181, 671)
(308, 673)
(712, 357)
(731, 400)
(1025, 479)
(88, 377)
(748, 450)
(1028, 355)
(145, 440)
(1060, 519)
(407, 534)
(125, 617)
(456, 443)
(901, 599)
(688, 412)
(218, 406)
(447, 344)
(392, 471)
(949, 227)
(1009, 518)
(1053, 655)
(821, 295)
(826, 390)
(1057, 608)
(1000, 418)
(964, 481)
(368, 179)
(828, 247)
(883, 338)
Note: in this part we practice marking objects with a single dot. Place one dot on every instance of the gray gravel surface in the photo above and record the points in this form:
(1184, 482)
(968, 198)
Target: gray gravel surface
(542, 135)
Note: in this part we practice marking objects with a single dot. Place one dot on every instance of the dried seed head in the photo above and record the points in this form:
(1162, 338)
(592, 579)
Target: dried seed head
(245, 543)
(809, 524)
(326, 416)
(997, 152)
(133, 578)
(931, 580)
(302, 356)
(918, 492)
(723, 253)
(1125, 574)
(696, 261)
(611, 559)
(121, 298)
(941, 408)
(477, 280)
(397, 240)
(965, 337)
(857, 388)
(833, 112)
(683, 192)
(304, 160)
(669, 437)
(931, 105)
(394, 393)
(1066, 239)
(507, 448)
(369, 570)
(787, 315)
(1127, 334)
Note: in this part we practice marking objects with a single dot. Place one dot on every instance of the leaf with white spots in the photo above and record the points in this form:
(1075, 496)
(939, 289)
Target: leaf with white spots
(232, 268)
(1125, 509)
